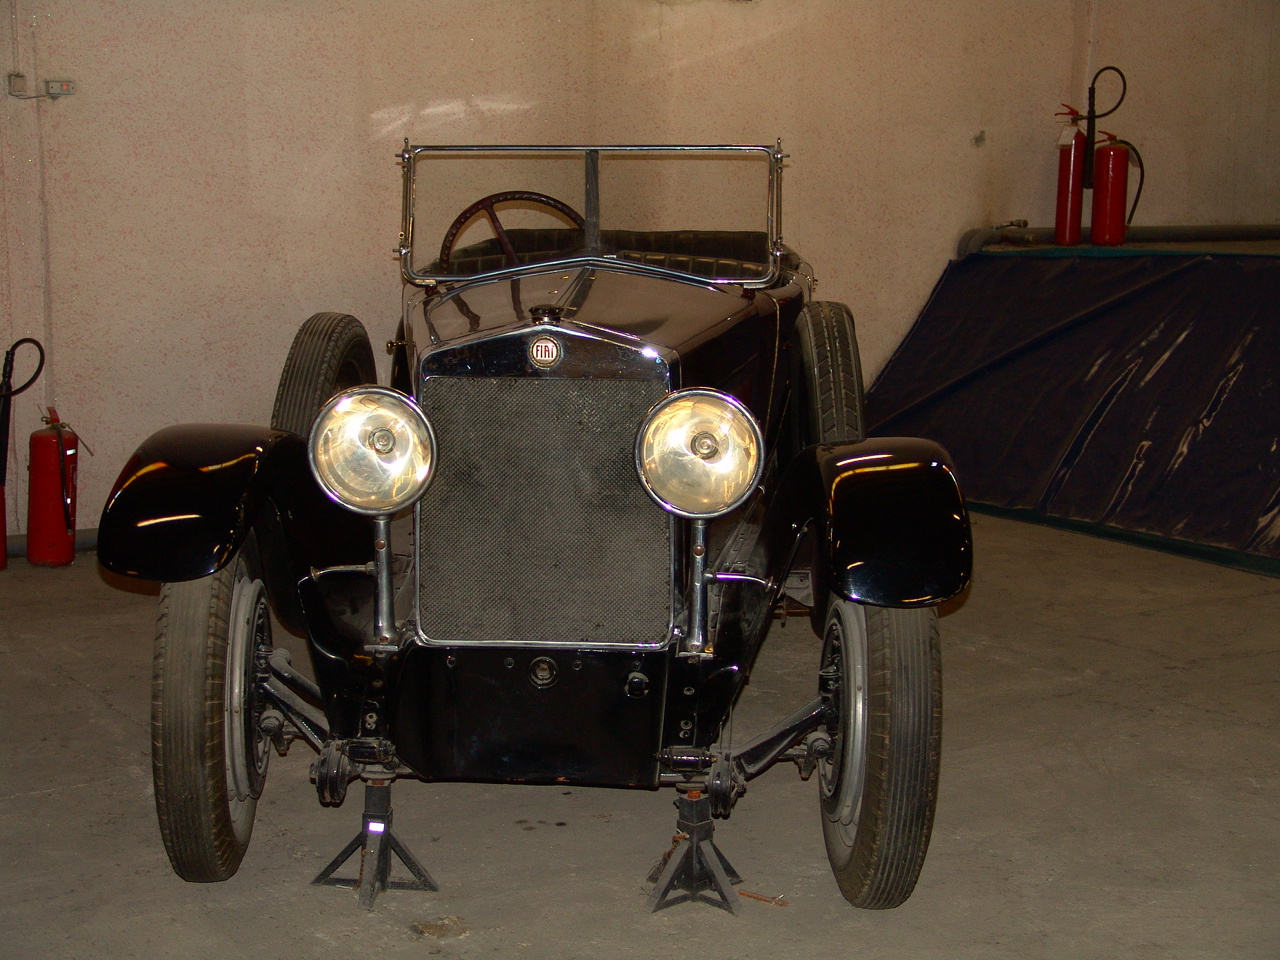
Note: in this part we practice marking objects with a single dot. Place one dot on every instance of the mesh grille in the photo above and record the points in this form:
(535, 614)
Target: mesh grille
(536, 527)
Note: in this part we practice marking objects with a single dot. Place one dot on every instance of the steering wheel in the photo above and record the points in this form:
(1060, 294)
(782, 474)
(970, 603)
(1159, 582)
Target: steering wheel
(486, 204)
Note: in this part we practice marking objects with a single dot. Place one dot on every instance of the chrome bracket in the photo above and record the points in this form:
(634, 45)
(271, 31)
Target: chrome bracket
(695, 644)
(384, 615)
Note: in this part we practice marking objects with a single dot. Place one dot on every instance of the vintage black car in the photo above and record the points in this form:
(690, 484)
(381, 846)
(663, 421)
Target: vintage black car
(613, 445)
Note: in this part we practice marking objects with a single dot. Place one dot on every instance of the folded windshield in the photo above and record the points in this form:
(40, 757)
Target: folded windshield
(704, 212)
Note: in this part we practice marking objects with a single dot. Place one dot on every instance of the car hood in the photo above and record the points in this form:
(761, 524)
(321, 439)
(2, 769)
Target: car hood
(666, 313)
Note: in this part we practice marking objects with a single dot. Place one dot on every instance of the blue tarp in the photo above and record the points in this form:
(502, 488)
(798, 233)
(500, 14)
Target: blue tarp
(1136, 395)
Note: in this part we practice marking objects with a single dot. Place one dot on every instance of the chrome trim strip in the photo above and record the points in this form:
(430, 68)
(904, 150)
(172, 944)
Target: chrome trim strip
(729, 577)
(460, 284)
(416, 149)
(592, 646)
(569, 329)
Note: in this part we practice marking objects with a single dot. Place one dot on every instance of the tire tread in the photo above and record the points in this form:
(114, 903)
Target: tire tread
(833, 372)
(324, 351)
(188, 749)
(900, 792)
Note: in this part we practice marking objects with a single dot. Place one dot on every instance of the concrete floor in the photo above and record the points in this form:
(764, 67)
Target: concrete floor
(1111, 788)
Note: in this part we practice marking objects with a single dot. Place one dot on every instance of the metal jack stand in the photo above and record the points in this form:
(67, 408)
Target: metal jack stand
(376, 843)
(695, 866)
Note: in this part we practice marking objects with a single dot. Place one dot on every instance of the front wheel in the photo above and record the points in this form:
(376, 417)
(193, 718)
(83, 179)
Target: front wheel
(209, 751)
(881, 677)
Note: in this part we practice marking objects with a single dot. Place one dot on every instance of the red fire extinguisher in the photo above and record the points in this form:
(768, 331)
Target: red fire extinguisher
(1106, 170)
(1110, 192)
(1071, 145)
(51, 503)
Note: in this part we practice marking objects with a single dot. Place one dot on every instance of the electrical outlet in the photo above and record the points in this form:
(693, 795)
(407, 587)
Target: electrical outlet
(59, 88)
(17, 85)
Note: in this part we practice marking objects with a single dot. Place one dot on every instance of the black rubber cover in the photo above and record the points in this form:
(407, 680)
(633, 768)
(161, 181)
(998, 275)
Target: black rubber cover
(1137, 393)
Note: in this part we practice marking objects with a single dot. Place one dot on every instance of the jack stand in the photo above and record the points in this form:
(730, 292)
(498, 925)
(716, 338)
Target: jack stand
(376, 843)
(695, 865)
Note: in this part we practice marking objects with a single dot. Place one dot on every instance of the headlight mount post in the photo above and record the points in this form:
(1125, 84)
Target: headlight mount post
(384, 614)
(696, 642)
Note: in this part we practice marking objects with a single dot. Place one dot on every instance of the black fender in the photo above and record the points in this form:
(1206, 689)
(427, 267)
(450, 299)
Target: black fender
(889, 518)
(184, 503)
(888, 527)
(189, 496)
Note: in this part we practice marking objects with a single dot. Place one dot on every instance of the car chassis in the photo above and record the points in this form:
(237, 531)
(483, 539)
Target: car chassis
(865, 537)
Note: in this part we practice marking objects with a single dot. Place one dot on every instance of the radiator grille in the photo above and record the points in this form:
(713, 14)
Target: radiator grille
(536, 528)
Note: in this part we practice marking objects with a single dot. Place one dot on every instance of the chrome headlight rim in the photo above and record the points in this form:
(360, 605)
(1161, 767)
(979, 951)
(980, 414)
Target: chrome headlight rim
(747, 417)
(412, 412)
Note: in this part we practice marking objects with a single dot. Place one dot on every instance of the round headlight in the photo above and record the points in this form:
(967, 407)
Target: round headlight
(372, 450)
(698, 453)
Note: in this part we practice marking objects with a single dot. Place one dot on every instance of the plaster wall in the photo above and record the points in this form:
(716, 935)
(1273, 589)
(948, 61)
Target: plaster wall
(911, 121)
(1203, 104)
(226, 170)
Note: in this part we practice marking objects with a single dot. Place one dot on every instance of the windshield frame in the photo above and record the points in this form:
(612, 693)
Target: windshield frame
(591, 154)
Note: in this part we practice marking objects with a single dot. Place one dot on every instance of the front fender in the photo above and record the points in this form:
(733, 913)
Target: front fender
(889, 516)
(189, 495)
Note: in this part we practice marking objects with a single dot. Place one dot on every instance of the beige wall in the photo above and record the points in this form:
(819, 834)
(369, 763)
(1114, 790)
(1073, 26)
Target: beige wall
(226, 169)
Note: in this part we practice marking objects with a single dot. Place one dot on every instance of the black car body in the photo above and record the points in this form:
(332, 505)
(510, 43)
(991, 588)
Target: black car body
(538, 611)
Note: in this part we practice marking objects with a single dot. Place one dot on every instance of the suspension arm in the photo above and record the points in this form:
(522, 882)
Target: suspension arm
(308, 720)
(757, 756)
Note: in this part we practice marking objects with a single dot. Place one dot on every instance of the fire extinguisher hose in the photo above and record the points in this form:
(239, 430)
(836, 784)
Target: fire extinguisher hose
(1092, 117)
(1142, 176)
(7, 392)
(62, 477)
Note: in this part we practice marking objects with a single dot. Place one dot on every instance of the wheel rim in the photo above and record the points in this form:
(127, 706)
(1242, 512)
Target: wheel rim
(844, 675)
(248, 646)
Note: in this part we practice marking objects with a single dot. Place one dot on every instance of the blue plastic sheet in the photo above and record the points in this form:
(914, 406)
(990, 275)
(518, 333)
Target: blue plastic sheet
(1136, 394)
